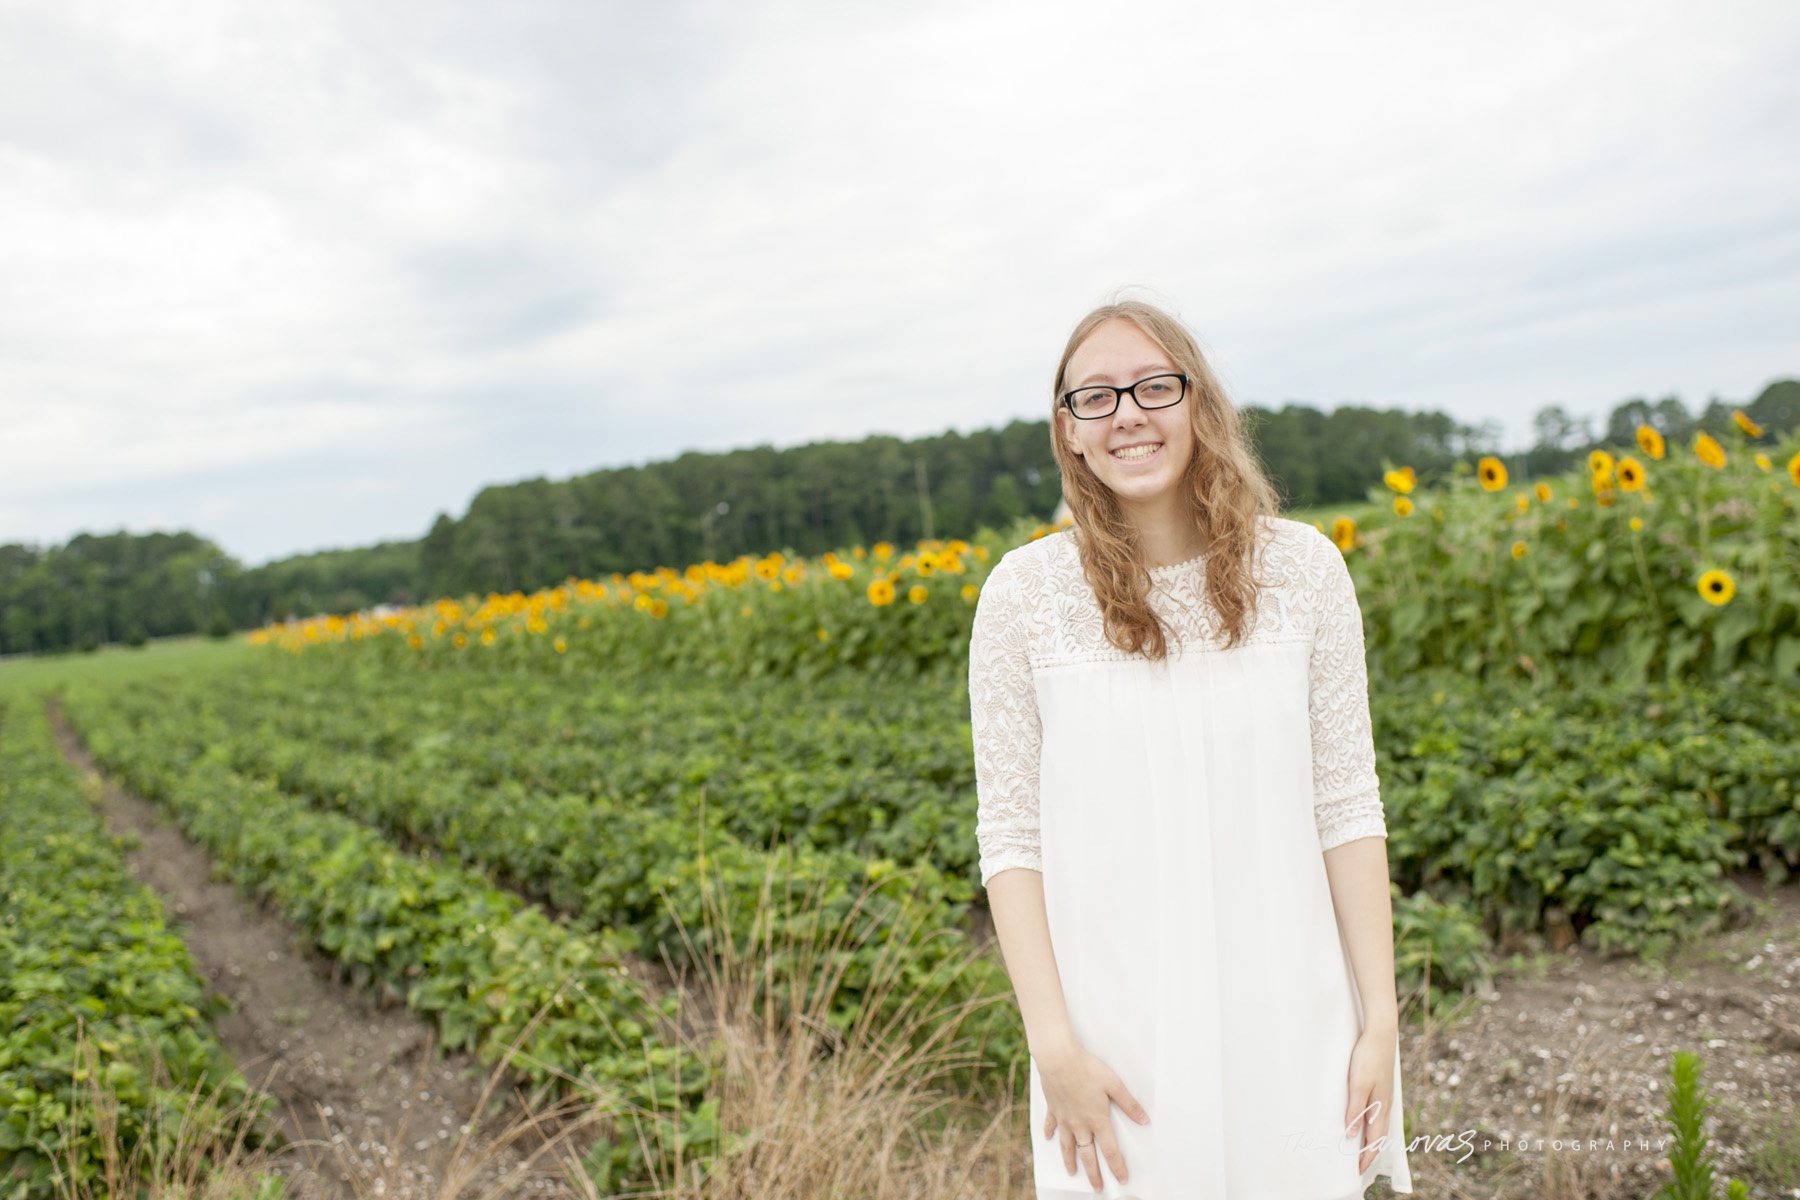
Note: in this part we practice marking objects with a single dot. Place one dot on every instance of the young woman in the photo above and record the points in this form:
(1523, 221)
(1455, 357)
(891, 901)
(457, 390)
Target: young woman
(1180, 825)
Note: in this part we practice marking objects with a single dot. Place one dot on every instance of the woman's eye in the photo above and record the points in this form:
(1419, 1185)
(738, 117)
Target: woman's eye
(1157, 390)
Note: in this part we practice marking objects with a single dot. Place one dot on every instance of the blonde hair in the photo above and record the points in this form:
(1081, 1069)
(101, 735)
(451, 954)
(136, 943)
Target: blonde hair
(1224, 484)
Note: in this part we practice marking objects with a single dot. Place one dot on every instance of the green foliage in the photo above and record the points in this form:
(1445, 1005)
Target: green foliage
(1317, 457)
(1503, 584)
(1623, 806)
(327, 581)
(95, 588)
(86, 960)
(488, 967)
(603, 804)
(1438, 944)
(1563, 440)
(1691, 1158)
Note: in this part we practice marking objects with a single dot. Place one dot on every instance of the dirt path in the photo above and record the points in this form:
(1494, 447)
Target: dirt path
(1565, 1062)
(370, 1106)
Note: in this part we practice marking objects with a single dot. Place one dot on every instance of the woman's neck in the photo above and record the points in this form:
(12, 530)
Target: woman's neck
(1168, 534)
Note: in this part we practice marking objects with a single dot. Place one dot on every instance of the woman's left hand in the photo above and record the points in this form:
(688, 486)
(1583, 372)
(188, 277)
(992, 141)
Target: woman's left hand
(1371, 1092)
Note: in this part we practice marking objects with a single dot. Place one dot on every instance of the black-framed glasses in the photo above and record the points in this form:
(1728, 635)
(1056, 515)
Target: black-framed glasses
(1158, 391)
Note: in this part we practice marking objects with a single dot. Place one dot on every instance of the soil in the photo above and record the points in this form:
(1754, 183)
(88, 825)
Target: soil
(367, 1105)
(1552, 1084)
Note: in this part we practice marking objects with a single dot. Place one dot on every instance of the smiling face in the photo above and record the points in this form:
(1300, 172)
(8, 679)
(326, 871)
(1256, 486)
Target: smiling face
(1141, 455)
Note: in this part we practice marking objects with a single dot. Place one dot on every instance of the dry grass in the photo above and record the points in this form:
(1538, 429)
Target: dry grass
(808, 1110)
(200, 1149)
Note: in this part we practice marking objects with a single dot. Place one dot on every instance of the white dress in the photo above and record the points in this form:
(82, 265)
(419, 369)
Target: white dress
(1178, 812)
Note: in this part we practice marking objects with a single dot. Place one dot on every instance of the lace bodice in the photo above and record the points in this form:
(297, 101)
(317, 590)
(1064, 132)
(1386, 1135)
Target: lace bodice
(1037, 611)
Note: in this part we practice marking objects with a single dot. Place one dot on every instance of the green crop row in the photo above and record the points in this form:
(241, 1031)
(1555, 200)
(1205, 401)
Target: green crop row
(627, 863)
(1652, 792)
(1620, 806)
(86, 960)
(474, 957)
(830, 765)
(1616, 808)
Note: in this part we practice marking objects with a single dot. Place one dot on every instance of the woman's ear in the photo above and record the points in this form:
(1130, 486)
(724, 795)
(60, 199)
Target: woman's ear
(1065, 430)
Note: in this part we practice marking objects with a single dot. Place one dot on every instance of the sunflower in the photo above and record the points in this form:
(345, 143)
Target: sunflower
(1637, 523)
(1716, 587)
(1343, 532)
(561, 646)
(881, 592)
(659, 608)
(1492, 473)
(1794, 469)
(1520, 549)
(1605, 497)
(767, 569)
(884, 550)
(1402, 506)
(918, 593)
(927, 563)
(970, 591)
(1709, 451)
(842, 570)
(824, 634)
(1650, 441)
(1763, 463)
(1600, 463)
(1544, 494)
(1402, 480)
(1523, 501)
(1742, 420)
(1631, 475)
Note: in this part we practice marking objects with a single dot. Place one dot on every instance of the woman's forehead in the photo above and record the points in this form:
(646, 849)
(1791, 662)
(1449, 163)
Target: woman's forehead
(1115, 351)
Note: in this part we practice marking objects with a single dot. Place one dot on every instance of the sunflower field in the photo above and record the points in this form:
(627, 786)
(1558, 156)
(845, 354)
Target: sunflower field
(1654, 563)
(1585, 720)
(1657, 562)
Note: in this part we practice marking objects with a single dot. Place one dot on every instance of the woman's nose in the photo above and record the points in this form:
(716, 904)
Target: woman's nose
(1128, 412)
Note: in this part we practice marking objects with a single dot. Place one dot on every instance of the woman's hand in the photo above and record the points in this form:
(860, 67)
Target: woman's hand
(1371, 1092)
(1079, 1091)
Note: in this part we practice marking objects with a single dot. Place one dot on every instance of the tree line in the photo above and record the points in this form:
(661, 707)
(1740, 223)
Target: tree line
(802, 500)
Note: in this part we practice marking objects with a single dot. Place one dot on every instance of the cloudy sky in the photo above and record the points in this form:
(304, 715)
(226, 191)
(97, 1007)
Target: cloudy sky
(303, 274)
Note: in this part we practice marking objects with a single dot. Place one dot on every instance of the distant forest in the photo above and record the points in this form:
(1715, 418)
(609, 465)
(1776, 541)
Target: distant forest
(804, 500)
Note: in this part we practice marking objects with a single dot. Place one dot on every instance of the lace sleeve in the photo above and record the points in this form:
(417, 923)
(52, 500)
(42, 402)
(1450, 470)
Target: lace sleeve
(1346, 791)
(1003, 718)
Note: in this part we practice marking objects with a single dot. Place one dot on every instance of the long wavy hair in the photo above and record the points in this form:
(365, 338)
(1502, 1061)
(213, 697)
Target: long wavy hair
(1224, 484)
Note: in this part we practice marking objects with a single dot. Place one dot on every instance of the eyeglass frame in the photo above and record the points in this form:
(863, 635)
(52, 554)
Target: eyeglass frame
(1119, 395)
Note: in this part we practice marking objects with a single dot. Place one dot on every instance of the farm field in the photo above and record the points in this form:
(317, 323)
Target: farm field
(497, 809)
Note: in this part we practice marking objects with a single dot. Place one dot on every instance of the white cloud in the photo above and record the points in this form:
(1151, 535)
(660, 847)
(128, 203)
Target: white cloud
(425, 247)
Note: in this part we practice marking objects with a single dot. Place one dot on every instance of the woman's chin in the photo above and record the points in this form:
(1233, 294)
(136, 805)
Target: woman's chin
(1144, 488)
